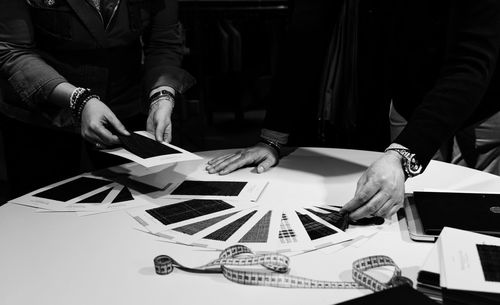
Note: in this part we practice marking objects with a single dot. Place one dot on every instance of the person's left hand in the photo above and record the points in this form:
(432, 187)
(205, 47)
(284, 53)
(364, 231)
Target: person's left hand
(159, 120)
(380, 190)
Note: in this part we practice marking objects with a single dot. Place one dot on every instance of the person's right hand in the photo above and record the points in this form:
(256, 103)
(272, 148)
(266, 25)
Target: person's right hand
(262, 155)
(98, 124)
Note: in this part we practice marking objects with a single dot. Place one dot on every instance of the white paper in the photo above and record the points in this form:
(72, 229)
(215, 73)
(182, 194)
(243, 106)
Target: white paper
(183, 155)
(460, 263)
(431, 263)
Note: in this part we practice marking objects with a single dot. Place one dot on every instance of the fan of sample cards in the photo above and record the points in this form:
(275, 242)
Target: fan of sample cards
(218, 223)
(84, 194)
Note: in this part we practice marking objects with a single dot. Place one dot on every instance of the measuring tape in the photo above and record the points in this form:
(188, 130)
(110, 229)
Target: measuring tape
(277, 266)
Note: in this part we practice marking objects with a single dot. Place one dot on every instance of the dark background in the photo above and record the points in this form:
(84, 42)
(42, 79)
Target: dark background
(235, 52)
(236, 49)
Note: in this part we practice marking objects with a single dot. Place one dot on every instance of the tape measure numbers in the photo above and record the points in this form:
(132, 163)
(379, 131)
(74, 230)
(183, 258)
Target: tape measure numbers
(238, 256)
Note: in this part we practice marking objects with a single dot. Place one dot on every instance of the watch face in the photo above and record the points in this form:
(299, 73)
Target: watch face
(414, 168)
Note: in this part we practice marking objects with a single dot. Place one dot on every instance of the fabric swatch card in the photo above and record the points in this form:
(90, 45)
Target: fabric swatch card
(469, 261)
(145, 147)
(84, 194)
(241, 190)
(172, 213)
(72, 189)
(59, 195)
(142, 148)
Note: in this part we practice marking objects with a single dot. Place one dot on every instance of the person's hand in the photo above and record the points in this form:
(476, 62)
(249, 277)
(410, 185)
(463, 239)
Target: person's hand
(262, 155)
(380, 190)
(98, 124)
(159, 123)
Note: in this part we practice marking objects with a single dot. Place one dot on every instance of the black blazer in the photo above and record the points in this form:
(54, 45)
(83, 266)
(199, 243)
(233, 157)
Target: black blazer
(444, 68)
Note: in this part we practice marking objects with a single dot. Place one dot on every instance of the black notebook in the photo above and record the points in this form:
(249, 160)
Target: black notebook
(428, 212)
(401, 295)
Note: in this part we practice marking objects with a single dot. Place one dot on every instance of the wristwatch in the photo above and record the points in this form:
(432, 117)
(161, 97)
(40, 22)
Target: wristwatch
(410, 164)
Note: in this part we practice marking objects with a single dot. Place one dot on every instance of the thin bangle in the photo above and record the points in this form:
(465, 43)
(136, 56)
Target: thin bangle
(275, 145)
(164, 98)
(161, 94)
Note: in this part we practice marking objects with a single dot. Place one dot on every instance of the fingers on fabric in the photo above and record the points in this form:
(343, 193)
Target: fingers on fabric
(361, 195)
(380, 188)
(93, 132)
(99, 123)
(380, 201)
(375, 198)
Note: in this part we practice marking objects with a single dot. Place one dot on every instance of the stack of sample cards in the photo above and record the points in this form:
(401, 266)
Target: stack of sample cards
(142, 148)
(84, 194)
(217, 223)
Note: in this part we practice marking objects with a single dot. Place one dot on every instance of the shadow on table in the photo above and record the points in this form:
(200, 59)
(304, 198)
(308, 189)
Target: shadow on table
(317, 163)
(153, 190)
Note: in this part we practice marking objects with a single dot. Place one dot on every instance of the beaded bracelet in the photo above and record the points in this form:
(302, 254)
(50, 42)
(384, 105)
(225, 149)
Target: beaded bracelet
(78, 100)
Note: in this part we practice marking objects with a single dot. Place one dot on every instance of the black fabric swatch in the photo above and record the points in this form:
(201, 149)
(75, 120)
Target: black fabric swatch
(313, 228)
(145, 147)
(97, 198)
(339, 220)
(73, 189)
(209, 188)
(489, 256)
(228, 230)
(123, 195)
(187, 210)
(368, 221)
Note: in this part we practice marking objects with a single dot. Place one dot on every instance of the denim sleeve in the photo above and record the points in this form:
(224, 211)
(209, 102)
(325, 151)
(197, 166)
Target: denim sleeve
(30, 76)
(164, 49)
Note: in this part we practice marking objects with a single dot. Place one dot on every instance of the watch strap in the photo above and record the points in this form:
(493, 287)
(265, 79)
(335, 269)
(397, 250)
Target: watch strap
(410, 164)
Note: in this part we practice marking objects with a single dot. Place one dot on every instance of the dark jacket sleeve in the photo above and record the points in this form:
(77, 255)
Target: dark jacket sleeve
(164, 49)
(470, 60)
(27, 73)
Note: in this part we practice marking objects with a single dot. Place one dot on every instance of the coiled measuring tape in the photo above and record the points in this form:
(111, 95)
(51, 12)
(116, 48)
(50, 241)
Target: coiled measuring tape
(278, 265)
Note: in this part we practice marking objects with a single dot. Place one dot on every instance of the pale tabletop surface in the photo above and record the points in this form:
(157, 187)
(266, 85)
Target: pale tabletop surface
(61, 258)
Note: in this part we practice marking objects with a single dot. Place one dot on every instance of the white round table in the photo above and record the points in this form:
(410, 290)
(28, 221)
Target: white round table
(61, 258)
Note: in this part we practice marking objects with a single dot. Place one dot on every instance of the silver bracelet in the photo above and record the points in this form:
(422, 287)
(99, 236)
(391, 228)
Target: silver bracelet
(77, 101)
(162, 98)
